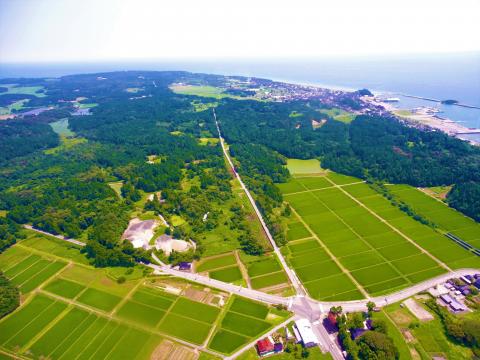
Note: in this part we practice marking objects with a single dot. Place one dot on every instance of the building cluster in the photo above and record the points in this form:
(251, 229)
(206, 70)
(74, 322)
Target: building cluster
(302, 334)
(452, 294)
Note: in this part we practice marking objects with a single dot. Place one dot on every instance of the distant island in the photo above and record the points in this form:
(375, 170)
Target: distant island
(449, 102)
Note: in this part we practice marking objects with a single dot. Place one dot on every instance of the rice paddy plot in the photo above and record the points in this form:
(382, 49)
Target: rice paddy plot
(314, 183)
(317, 271)
(65, 288)
(263, 266)
(375, 274)
(337, 287)
(36, 325)
(358, 261)
(264, 281)
(139, 313)
(184, 328)
(20, 319)
(230, 274)
(13, 256)
(226, 342)
(386, 286)
(216, 262)
(195, 310)
(151, 298)
(99, 299)
(360, 190)
(296, 231)
(21, 266)
(249, 307)
(244, 325)
(341, 179)
(425, 275)
(38, 279)
(303, 246)
(415, 263)
(291, 186)
(309, 257)
(299, 166)
(50, 340)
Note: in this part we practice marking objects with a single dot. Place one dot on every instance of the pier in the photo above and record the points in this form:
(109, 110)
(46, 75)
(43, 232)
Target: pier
(440, 101)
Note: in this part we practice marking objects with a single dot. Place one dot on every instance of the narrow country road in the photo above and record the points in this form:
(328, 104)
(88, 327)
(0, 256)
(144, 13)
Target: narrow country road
(290, 273)
(60, 237)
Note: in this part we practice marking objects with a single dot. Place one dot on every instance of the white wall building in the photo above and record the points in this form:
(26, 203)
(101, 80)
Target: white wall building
(304, 328)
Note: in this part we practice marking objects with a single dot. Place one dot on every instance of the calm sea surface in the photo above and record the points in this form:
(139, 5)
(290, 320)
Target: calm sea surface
(440, 77)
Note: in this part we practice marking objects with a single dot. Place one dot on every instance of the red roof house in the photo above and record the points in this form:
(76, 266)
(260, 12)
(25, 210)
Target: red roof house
(264, 347)
(332, 318)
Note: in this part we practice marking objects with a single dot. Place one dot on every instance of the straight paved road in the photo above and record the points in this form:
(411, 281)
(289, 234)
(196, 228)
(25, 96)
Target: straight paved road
(60, 237)
(291, 275)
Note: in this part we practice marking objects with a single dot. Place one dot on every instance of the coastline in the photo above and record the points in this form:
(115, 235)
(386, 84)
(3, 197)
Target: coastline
(424, 118)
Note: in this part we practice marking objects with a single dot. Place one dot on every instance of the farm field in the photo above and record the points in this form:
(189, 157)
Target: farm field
(223, 268)
(429, 239)
(243, 321)
(267, 274)
(263, 272)
(25, 90)
(95, 317)
(446, 218)
(428, 338)
(205, 91)
(339, 115)
(27, 270)
(374, 242)
(298, 166)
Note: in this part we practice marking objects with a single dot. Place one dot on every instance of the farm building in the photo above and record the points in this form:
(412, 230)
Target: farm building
(265, 347)
(447, 299)
(184, 266)
(304, 329)
(456, 306)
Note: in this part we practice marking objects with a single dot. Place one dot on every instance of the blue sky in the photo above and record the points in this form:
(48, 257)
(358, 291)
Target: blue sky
(68, 30)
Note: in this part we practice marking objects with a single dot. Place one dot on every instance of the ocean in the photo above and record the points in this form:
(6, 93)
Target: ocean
(439, 76)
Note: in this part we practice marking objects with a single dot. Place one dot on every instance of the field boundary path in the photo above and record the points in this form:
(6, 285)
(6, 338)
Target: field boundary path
(60, 237)
(439, 262)
(333, 257)
(291, 275)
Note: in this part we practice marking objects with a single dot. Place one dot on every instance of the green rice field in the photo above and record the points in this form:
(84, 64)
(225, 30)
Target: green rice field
(81, 312)
(380, 247)
(267, 272)
(443, 216)
(243, 322)
(298, 166)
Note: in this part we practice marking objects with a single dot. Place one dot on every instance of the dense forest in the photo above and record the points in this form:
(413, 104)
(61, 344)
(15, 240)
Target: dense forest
(10, 231)
(465, 197)
(9, 296)
(61, 183)
(381, 147)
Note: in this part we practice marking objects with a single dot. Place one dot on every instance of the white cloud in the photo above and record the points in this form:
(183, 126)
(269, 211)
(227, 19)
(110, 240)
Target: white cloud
(46, 30)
